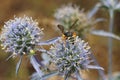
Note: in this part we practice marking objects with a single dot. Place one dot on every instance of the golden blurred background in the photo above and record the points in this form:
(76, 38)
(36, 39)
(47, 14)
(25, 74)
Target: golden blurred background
(42, 11)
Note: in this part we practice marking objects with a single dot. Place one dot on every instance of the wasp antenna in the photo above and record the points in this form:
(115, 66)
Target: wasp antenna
(74, 23)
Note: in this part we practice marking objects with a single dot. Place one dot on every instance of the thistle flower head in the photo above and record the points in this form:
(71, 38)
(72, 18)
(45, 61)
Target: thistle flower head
(69, 57)
(67, 15)
(111, 4)
(21, 35)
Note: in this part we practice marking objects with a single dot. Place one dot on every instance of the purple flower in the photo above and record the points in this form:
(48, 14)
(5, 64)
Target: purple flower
(70, 58)
(21, 35)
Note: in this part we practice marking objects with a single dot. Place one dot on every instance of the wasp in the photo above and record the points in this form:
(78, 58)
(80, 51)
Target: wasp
(68, 35)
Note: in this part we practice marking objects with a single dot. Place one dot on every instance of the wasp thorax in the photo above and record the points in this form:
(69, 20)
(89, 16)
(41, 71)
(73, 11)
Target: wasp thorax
(68, 34)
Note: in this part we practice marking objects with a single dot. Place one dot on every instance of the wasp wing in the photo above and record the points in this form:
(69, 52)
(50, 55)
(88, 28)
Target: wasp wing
(61, 28)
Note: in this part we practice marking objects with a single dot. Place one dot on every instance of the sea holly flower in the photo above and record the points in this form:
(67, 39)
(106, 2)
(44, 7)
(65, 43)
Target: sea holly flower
(67, 15)
(20, 36)
(111, 4)
(70, 58)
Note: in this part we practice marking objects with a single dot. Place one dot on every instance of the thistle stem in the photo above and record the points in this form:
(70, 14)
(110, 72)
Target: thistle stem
(110, 43)
(36, 65)
(78, 75)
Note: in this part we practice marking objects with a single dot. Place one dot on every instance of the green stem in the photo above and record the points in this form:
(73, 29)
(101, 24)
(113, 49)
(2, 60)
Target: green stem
(110, 44)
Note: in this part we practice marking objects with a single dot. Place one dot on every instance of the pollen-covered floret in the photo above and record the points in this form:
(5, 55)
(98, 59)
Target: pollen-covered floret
(20, 35)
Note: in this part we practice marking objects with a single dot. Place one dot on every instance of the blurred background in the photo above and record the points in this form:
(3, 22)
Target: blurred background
(42, 11)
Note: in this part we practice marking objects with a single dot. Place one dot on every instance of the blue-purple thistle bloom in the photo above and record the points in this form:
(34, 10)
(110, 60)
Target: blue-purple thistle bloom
(21, 35)
(71, 57)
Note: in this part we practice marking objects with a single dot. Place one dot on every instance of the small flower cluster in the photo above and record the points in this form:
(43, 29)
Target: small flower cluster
(21, 35)
(69, 57)
(67, 15)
